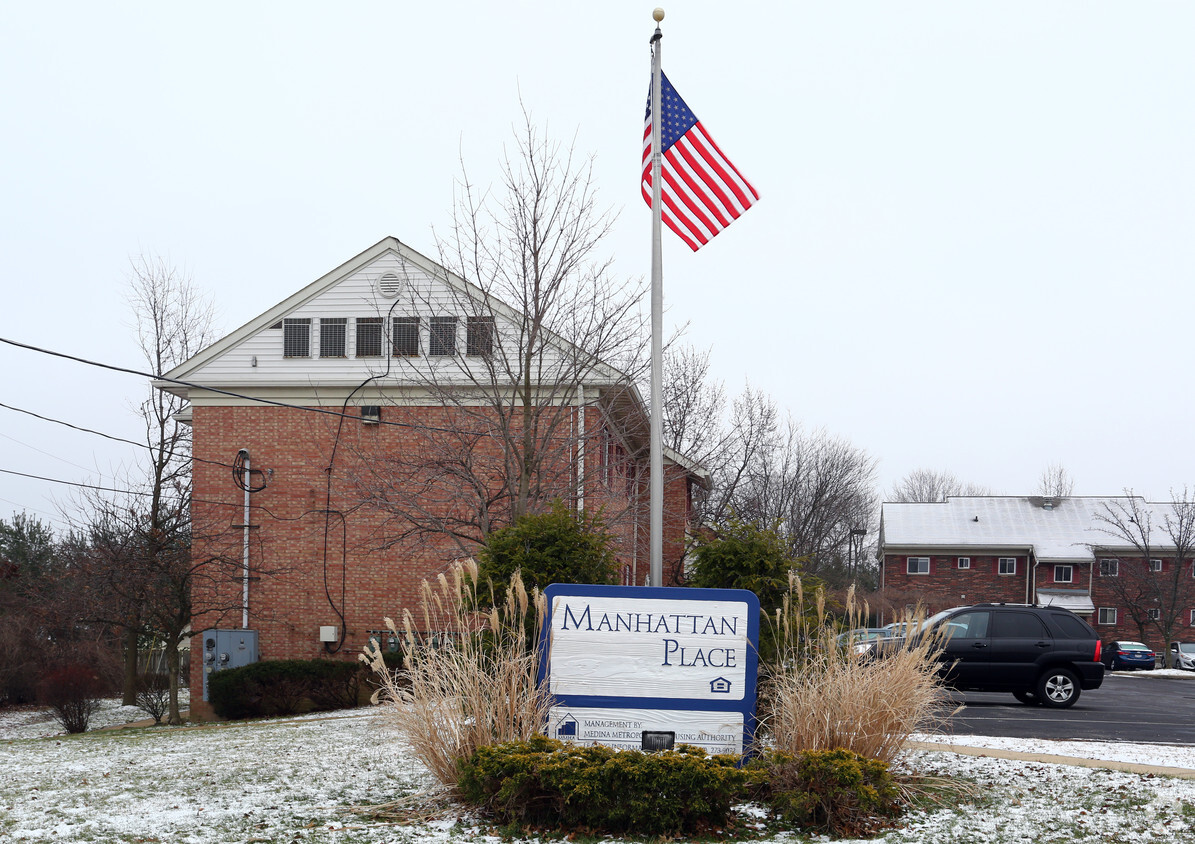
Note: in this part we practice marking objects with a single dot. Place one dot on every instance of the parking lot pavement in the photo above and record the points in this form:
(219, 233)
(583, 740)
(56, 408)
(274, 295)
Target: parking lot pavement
(1145, 706)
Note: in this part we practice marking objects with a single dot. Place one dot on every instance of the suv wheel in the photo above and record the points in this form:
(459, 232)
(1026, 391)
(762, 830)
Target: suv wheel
(1027, 698)
(1058, 687)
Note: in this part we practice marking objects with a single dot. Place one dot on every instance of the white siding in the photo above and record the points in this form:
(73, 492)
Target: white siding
(351, 297)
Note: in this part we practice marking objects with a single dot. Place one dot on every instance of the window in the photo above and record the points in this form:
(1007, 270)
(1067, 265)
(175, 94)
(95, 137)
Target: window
(968, 625)
(615, 465)
(1107, 615)
(1008, 565)
(918, 565)
(1193, 618)
(1018, 625)
(296, 338)
(1064, 574)
(369, 337)
(1155, 565)
(442, 340)
(1154, 614)
(406, 337)
(331, 336)
(479, 336)
(1109, 568)
(1070, 625)
(964, 562)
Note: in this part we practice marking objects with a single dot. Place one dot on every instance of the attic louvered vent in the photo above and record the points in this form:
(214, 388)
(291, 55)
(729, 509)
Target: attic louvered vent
(371, 414)
(390, 284)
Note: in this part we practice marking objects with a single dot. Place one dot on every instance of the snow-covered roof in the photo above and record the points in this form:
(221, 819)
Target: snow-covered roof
(1053, 529)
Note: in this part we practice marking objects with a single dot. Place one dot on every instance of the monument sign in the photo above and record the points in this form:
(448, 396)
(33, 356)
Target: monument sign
(649, 667)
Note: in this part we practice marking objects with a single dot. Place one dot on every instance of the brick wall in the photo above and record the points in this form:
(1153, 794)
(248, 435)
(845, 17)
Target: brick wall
(946, 585)
(320, 547)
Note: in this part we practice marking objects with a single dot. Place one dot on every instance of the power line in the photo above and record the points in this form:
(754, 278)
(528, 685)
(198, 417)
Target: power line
(69, 425)
(145, 446)
(28, 509)
(74, 483)
(216, 390)
(46, 453)
(142, 493)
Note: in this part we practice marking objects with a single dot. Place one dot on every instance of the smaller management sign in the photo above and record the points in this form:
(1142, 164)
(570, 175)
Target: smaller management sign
(623, 660)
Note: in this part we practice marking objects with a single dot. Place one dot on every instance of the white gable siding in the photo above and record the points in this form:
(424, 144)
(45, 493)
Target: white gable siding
(350, 298)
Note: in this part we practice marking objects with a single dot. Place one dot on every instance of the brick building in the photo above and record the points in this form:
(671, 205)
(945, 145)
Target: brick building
(1030, 549)
(376, 423)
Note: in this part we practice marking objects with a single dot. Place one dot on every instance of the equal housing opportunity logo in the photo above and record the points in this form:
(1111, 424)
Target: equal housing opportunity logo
(626, 662)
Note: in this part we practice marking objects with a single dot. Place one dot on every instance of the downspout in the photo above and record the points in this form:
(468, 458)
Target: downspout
(581, 432)
(1030, 577)
(883, 573)
(245, 548)
(635, 505)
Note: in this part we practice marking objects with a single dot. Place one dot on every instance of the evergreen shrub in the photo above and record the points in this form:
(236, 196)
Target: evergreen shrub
(558, 546)
(546, 783)
(827, 791)
(285, 687)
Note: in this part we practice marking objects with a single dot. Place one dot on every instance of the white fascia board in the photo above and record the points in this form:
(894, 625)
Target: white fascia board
(279, 311)
(956, 550)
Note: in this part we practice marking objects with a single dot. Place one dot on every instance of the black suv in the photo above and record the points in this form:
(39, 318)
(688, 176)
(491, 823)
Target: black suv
(1042, 655)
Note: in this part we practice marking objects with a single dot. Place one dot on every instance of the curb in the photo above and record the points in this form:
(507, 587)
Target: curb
(1049, 758)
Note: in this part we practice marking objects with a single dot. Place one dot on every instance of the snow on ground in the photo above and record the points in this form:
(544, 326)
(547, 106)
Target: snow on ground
(292, 779)
(36, 722)
(1163, 755)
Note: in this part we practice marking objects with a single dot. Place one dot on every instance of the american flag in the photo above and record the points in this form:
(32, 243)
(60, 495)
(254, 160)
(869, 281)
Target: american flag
(702, 192)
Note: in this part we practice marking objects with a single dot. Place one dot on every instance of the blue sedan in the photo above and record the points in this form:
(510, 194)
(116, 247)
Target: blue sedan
(1122, 656)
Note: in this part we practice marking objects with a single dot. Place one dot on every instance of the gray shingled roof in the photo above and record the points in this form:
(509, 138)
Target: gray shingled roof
(1063, 531)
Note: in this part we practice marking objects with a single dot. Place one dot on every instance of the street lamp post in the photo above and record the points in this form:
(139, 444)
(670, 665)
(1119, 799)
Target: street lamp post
(854, 550)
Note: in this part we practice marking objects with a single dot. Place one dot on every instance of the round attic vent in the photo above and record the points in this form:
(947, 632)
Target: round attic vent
(390, 284)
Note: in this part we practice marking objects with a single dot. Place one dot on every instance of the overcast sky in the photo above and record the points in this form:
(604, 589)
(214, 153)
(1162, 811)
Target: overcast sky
(974, 249)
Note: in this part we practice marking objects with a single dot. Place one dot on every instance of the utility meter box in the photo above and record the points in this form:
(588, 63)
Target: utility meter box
(227, 649)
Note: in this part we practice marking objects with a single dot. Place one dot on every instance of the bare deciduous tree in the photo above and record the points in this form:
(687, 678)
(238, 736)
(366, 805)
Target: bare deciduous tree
(1157, 599)
(1055, 482)
(140, 546)
(694, 406)
(545, 316)
(817, 491)
(929, 486)
(818, 488)
(41, 614)
(167, 566)
(696, 424)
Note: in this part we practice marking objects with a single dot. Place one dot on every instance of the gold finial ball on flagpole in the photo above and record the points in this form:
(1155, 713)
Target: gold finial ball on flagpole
(658, 14)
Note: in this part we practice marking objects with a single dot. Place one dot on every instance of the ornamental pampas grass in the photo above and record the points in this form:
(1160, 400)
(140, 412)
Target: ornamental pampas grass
(469, 674)
(820, 695)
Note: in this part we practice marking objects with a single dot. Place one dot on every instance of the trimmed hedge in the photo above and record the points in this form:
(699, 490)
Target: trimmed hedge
(546, 783)
(285, 687)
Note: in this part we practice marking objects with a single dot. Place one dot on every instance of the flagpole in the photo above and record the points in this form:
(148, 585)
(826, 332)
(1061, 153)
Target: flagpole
(656, 491)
